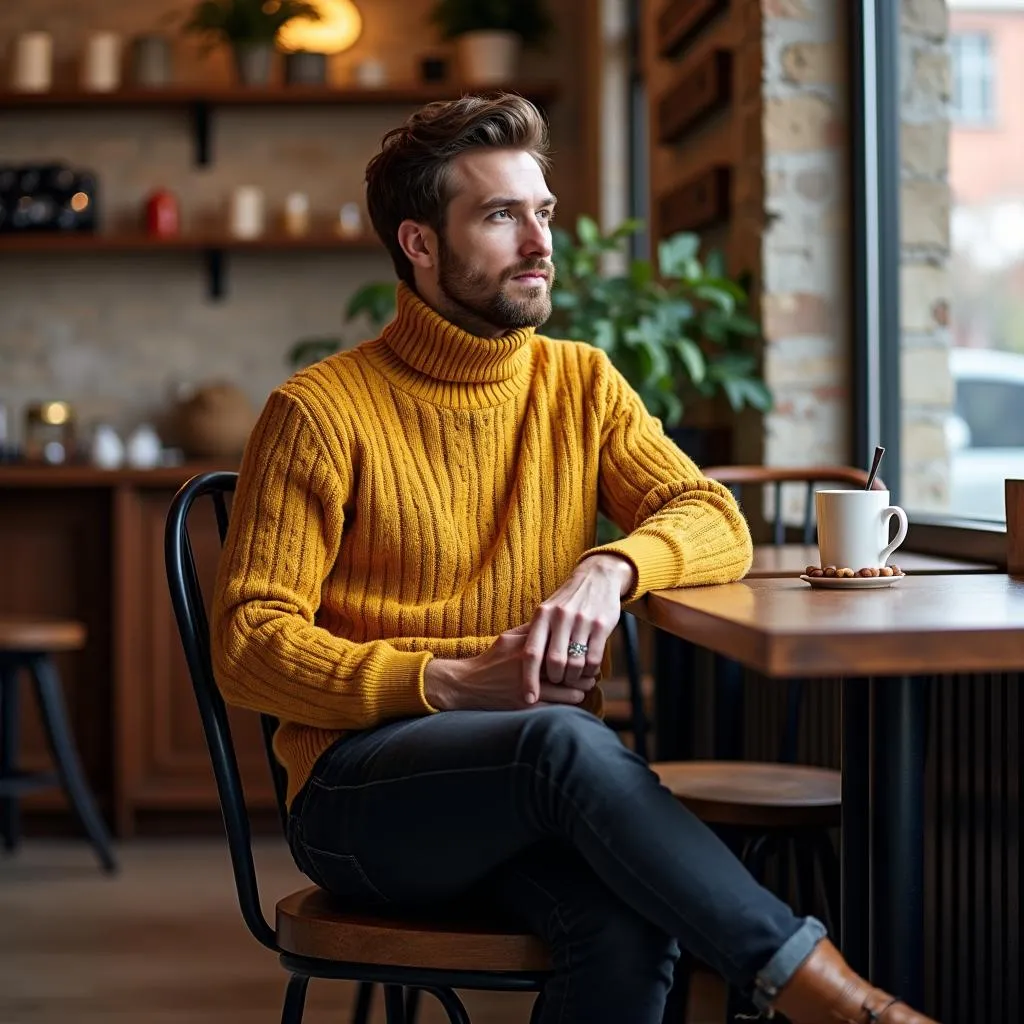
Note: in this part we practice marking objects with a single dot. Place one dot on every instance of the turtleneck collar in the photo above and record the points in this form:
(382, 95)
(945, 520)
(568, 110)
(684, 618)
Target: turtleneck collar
(430, 356)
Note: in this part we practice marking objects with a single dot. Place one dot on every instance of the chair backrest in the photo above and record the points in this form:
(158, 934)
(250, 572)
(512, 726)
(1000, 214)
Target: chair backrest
(737, 477)
(190, 614)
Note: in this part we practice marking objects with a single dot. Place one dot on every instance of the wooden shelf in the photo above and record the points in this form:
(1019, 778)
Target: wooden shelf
(76, 475)
(249, 96)
(213, 247)
(75, 242)
(201, 99)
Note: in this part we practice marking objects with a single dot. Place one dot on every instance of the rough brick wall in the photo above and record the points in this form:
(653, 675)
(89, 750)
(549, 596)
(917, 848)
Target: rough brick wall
(926, 382)
(805, 271)
(114, 333)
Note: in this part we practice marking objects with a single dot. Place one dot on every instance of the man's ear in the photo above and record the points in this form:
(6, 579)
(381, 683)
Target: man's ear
(419, 243)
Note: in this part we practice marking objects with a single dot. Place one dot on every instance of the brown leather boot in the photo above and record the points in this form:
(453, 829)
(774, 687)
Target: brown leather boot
(825, 990)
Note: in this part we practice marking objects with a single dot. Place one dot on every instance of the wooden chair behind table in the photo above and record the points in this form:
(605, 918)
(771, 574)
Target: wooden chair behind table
(315, 936)
(772, 808)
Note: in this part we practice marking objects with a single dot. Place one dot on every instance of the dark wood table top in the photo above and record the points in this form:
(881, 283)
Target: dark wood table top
(922, 625)
(771, 561)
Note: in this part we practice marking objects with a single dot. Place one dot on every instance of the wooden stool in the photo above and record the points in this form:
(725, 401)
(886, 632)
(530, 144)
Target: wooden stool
(769, 804)
(29, 643)
(772, 806)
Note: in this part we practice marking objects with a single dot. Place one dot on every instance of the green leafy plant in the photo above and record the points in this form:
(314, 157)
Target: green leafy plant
(246, 21)
(373, 302)
(529, 19)
(675, 330)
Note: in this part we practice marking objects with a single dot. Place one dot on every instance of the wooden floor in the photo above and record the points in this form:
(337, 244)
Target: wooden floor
(163, 942)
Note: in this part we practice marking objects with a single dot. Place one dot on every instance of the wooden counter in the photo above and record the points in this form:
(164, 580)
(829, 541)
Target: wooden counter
(88, 544)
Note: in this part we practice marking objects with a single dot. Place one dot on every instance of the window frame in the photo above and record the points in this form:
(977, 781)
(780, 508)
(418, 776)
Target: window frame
(875, 265)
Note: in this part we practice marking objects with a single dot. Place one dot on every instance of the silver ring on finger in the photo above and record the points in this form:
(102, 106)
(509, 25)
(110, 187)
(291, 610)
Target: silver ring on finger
(577, 650)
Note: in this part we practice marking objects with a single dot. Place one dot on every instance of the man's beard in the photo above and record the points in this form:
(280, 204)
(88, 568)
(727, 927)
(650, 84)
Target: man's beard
(472, 291)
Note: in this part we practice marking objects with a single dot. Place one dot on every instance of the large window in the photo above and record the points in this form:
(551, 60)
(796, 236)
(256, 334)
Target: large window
(961, 258)
(973, 87)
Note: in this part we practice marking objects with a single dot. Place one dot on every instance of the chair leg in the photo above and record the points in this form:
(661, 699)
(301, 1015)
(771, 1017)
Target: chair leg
(453, 1005)
(538, 1008)
(805, 874)
(9, 722)
(294, 999)
(638, 713)
(51, 702)
(364, 1002)
(412, 1005)
(831, 875)
(394, 1004)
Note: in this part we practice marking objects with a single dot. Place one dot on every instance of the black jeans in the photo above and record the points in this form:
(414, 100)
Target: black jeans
(548, 815)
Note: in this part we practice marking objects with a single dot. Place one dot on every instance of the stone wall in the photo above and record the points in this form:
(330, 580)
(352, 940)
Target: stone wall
(805, 267)
(927, 384)
(115, 333)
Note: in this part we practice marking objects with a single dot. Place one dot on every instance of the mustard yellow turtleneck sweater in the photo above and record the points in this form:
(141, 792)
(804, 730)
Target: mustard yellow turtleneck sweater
(420, 494)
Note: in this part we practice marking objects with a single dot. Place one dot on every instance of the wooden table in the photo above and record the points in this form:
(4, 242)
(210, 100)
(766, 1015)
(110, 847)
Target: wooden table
(772, 561)
(882, 643)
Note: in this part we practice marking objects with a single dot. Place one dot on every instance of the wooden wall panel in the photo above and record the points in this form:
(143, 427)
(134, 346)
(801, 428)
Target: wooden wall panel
(680, 20)
(174, 764)
(695, 136)
(697, 95)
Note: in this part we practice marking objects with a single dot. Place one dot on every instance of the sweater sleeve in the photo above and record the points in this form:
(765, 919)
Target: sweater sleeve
(283, 539)
(683, 529)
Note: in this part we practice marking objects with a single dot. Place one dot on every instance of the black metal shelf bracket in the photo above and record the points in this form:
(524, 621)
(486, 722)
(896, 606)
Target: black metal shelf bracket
(215, 273)
(201, 132)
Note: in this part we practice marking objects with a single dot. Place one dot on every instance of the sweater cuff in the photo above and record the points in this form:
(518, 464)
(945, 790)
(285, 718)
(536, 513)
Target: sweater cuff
(395, 687)
(655, 563)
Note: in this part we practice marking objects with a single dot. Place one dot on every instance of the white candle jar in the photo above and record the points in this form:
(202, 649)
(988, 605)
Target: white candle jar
(32, 63)
(247, 212)
(101, 62)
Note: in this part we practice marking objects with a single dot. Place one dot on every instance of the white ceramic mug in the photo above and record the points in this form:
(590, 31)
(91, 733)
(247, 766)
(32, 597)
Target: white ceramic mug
(853, 528)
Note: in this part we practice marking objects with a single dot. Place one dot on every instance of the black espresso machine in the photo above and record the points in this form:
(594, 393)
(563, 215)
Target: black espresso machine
(47, 197)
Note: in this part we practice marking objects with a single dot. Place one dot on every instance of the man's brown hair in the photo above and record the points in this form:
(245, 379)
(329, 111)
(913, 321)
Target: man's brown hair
(409, 178)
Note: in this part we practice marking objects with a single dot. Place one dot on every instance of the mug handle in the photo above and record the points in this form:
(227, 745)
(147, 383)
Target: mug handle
(901, 533)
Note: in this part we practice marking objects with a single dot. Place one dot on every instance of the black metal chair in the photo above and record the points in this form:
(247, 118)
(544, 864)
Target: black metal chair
(315, 936)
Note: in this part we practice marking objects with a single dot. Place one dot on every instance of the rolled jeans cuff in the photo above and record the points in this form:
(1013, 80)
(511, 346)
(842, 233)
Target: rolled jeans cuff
(772, 978)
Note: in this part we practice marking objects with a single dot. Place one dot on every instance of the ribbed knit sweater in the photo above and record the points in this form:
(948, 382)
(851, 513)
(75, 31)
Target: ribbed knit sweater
(420, 494)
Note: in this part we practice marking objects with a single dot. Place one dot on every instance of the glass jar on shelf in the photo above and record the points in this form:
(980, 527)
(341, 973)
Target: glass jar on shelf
(49, 432)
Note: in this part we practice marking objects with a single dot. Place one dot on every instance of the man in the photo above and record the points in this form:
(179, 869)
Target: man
(410, 585)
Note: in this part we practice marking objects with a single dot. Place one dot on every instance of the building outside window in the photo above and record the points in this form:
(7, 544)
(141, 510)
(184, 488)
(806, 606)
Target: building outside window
(973, 78)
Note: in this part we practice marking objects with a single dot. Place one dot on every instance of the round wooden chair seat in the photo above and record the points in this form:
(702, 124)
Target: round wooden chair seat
(310, 923)
(755, 794)
(39, 635)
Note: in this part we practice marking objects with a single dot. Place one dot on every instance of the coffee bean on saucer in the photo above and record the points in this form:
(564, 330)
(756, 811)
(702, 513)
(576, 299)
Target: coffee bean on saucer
(864, 573)
(897, 571)
(886, 570)
(816, 573)
(811, 570)
(830, 570)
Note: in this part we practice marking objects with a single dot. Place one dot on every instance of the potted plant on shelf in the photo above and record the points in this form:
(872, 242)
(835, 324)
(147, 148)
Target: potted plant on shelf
(250, 28)
(489, 34)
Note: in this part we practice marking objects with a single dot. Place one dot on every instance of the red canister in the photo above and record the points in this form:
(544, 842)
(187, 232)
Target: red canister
(163, 218)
